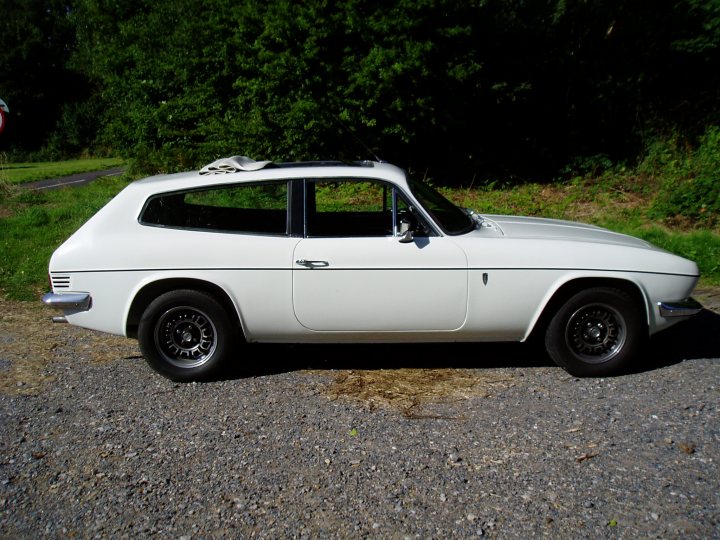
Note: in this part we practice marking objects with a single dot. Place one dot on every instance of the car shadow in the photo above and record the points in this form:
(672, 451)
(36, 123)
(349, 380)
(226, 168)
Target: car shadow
(692, 339)
(695, 338)
(268, 359)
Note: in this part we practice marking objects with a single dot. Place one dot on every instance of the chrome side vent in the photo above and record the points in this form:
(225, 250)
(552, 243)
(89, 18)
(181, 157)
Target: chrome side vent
(60, 281)
(232, 165)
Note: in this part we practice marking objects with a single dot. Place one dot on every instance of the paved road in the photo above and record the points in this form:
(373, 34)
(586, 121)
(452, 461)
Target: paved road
(73, 180)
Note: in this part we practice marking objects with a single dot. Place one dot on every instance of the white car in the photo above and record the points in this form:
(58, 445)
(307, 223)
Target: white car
(195, 264)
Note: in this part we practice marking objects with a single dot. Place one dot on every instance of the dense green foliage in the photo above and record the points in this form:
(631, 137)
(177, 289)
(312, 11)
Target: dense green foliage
(466, 90)
(691, 179)
(50, 103)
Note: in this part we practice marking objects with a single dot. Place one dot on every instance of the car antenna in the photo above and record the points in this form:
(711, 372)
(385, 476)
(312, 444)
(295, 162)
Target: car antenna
(351, 132)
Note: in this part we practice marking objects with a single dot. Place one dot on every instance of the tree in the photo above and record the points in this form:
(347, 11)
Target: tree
(457, 89)
(36, 41)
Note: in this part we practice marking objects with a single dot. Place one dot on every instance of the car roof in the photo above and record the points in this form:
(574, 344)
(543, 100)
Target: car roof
(240, 169)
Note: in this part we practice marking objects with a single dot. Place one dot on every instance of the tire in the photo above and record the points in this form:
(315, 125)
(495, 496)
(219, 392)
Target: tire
(186, 335)
(596, 333)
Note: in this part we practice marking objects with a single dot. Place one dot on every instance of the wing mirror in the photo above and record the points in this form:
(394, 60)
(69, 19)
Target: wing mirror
(406, 232)
(406, 237)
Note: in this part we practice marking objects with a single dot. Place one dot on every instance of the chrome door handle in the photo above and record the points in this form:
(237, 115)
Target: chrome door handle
(312, 264)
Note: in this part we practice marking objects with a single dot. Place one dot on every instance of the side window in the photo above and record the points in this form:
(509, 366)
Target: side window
(348, 208)
(247, 208)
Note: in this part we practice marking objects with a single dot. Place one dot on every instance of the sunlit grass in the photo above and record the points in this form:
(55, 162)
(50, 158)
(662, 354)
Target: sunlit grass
(604, 205)
(33, 224)
(21, 173)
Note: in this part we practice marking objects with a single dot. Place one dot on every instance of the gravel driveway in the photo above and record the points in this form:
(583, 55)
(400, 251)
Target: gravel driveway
(450, 441)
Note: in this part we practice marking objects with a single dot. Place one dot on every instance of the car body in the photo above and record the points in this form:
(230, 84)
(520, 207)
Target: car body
(194, 264)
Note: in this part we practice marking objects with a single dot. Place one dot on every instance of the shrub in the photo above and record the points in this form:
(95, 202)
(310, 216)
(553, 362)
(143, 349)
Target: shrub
(691, 179)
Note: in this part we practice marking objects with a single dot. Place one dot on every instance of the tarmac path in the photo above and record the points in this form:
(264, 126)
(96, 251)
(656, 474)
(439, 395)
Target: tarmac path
(79, 179)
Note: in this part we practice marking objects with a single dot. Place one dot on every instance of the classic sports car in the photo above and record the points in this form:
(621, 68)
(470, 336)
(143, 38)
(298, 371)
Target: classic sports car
(194, 264)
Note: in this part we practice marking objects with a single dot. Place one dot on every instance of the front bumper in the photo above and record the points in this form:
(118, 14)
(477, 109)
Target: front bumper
(77, 301)
(679, 308)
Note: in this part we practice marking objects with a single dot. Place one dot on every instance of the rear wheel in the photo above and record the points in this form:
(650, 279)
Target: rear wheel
(186, 335)
(596, 333)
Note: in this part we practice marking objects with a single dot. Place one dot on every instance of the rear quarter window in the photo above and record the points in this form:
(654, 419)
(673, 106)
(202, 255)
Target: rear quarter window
(241, 208)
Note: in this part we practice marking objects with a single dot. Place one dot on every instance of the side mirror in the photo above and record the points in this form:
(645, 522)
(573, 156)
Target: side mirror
(406, 237)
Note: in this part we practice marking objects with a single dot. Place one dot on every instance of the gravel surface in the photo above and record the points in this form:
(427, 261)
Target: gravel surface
(451, 441)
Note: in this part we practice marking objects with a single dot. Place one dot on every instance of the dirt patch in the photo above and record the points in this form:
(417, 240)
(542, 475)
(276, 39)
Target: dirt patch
(27, 339)
(30, 342)
(709, 297)
(410, 389)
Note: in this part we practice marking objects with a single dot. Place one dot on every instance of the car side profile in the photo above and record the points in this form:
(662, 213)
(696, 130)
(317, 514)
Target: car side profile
(195, 264)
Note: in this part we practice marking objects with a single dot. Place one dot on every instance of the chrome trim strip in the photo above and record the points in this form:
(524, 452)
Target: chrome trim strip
(679, 308)
(79, 301)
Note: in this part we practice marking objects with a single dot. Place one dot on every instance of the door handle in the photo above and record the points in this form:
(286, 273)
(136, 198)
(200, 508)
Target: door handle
(312, 264)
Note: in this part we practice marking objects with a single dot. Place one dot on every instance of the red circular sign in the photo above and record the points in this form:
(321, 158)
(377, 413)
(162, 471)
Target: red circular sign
(2, 119)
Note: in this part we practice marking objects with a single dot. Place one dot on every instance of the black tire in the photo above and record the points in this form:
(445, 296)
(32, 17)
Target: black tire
(596, 333)
(186, 335)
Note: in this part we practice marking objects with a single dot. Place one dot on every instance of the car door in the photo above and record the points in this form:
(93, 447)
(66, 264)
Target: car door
(351, 272)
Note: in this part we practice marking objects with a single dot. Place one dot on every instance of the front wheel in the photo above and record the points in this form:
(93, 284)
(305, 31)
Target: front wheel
(596, 333)
(186, 335)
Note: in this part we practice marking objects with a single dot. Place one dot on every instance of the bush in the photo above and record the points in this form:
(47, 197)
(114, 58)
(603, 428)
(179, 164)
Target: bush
(690, 185)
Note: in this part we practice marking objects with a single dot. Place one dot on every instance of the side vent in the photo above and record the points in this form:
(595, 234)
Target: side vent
(60, 281)
(232, 165)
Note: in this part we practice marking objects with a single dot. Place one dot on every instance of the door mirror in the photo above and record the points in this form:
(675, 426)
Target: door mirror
(406, 237)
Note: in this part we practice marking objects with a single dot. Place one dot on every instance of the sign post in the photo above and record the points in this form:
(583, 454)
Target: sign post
(4, 110)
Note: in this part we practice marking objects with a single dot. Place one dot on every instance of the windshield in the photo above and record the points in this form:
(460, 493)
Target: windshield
(452, 219)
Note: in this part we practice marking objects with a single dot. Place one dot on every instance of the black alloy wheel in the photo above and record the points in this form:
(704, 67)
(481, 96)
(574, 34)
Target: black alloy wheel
(186, 335)
(597, 332)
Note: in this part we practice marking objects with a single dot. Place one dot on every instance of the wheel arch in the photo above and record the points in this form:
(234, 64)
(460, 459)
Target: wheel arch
(563, 293)
(152, 290)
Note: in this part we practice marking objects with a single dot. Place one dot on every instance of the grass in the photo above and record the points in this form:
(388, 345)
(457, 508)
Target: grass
(21, 173)
(33, 224)
(605, 205)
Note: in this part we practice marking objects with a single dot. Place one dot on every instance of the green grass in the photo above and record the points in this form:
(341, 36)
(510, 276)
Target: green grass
(33, 224)
(703, 247)
(21, 173)
(606, 205)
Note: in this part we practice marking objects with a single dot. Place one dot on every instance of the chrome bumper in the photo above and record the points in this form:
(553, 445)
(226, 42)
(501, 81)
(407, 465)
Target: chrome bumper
(79, 301)
(680, 308)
